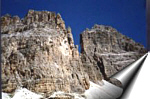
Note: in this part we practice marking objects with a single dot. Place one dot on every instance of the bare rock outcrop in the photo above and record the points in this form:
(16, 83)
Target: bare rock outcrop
(105, 51)
(38, 53)
(33, 19)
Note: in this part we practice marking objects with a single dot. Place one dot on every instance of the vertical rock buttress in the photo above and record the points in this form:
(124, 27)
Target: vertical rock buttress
(38, 53)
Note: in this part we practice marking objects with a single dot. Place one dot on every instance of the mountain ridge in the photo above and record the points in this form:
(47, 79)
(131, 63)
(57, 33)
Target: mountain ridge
(38, 53)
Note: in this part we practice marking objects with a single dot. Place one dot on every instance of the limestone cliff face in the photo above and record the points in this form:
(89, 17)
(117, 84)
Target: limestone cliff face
(38, 53)
(105, 51)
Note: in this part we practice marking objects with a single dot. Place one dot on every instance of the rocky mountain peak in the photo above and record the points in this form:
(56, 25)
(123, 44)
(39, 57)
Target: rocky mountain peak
(108, 39)
(38, 53)
(33, 19)
(106, 51)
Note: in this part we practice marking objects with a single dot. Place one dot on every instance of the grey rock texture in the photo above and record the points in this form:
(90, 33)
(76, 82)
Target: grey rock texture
(110, 48)
(38, 53)
(33, 19)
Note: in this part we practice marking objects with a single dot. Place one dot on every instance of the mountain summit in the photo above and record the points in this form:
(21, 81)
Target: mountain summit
(38, 53)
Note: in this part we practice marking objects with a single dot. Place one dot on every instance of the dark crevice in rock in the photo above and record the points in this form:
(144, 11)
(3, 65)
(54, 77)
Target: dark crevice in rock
(101, 66)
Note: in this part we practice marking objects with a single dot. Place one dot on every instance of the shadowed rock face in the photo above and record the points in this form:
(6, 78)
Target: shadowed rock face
(113, 49)
(38, 53)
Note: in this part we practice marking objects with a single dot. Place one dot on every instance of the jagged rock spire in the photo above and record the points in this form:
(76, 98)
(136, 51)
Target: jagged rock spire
(41, 18)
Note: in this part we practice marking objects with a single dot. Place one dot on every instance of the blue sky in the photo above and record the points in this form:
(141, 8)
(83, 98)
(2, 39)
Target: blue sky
(127, 16)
